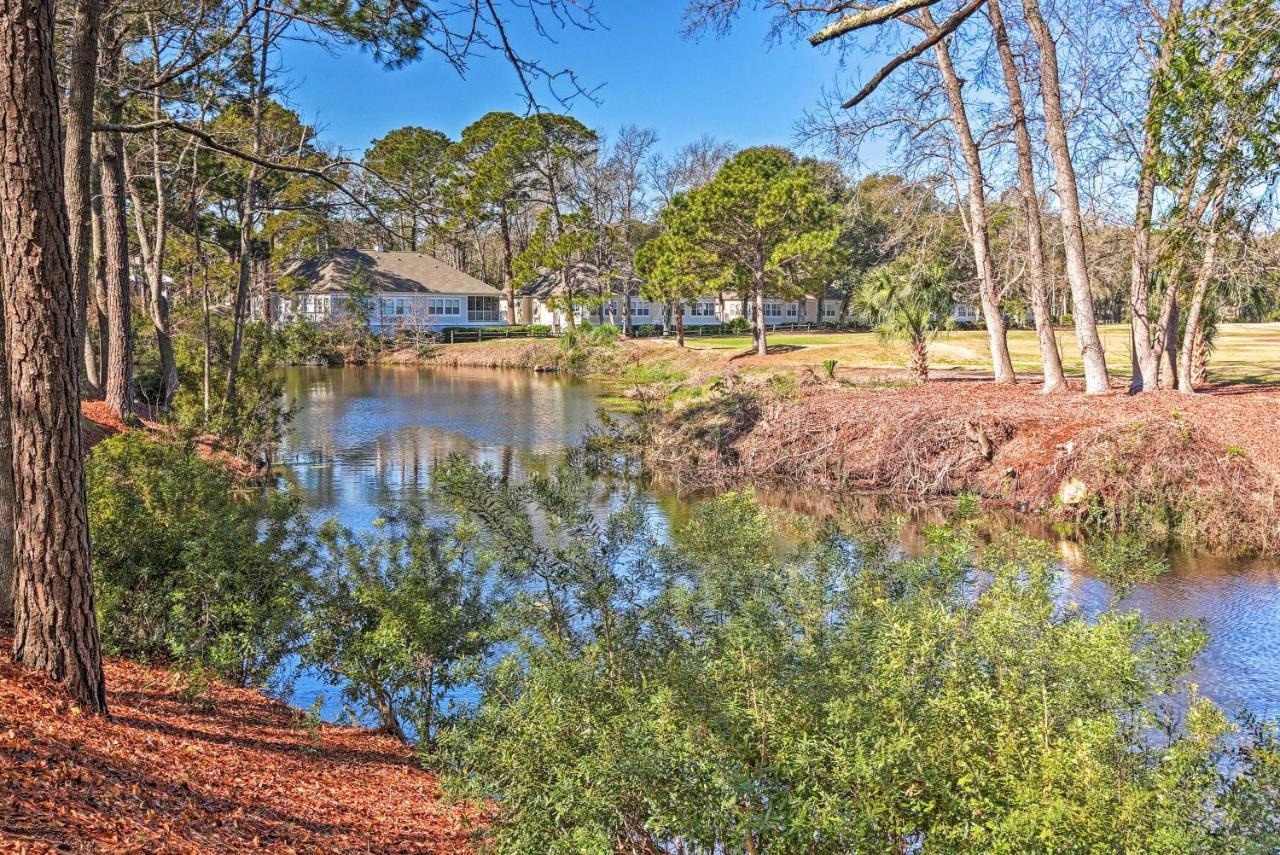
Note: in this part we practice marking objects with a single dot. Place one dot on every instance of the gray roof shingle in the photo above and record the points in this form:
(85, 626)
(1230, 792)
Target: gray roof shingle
(398, 272)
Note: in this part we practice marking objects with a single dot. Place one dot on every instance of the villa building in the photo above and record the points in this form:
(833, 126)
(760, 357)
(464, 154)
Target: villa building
(408, 290)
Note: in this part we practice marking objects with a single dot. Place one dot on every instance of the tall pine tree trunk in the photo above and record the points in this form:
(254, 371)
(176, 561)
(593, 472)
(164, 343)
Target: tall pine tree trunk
(6, 489)
(248, 203)
(757, 297)
(1204, 281)
(81, 90)
(119, 379)
(979, 232)
(95, 359)
(1095, 359)
(1054, 378)
(152, 247)
(508, 280)
(1146, 355)
(55, 630)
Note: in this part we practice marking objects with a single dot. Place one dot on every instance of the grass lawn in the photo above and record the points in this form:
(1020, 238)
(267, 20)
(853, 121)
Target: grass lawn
(1248, 352)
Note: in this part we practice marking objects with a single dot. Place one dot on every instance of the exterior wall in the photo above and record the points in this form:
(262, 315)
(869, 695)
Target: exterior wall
(707, 311)
(704, 311)
(393, 311)
(966, 313)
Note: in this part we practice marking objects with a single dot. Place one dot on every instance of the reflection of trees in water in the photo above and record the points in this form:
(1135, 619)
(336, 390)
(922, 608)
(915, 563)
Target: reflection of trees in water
(380, 430)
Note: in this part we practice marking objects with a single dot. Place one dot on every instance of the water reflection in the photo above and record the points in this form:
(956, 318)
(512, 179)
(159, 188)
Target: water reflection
(366, 437)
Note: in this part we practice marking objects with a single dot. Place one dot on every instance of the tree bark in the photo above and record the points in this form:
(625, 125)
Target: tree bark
(1054, 378)
(1145, 355)
(95, 361)
(1169, 350)
(627, 325)
(680, 323)
(979, 233)
(757, 296)
(152, 249)
(1095, 360)
(508, 280)
(81, 90)
(248, 200)
(919, 367)
(1195, 309)
(6, 489)
(55, 630)
(119, 376)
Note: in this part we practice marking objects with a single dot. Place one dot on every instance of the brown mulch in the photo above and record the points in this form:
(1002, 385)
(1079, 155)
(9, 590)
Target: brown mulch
(231, 772)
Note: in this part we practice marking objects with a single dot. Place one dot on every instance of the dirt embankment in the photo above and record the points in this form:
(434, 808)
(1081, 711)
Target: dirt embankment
(97, 423)
(1203, 468)
(216, 770)
(532, 354)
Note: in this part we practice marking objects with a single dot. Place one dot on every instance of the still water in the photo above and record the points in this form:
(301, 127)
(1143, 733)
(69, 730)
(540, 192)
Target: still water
(364, 437)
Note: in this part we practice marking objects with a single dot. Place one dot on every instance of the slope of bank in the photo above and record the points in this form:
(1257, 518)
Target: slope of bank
(97, 422)
(190, 768)
(1203, 469)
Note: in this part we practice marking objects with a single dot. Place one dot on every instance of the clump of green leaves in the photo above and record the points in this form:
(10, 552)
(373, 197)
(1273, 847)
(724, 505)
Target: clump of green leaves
(909, 300)
(392, 617)
(304, 342)
(723, 692)
(185, 567)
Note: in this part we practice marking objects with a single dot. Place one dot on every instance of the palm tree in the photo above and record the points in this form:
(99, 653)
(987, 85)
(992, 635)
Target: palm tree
(907, 300)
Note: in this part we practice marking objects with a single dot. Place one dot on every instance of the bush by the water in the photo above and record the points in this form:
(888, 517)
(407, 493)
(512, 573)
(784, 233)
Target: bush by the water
(391, 617)
(723, 694)
(186, 568)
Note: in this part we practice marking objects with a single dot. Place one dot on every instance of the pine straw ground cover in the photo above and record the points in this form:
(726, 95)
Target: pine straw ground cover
(97, 422)
(228, 771)
(1203, 468)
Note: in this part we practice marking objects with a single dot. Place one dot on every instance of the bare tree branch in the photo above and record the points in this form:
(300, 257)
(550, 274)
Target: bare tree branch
(858, 20)
(944, 29)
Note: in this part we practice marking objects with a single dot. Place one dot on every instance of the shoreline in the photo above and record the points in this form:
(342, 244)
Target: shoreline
(1201, 471)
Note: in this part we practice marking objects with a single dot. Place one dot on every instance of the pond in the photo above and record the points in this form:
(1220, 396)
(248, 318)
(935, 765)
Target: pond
(366, 437)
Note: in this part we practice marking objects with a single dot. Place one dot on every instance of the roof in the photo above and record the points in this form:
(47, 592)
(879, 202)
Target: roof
(398, 272)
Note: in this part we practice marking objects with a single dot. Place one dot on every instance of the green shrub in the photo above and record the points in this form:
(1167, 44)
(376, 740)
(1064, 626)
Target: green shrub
(252, 423)
(302, 342)
(393, 616)
(186, 569)
(739, 325)
(725, 694)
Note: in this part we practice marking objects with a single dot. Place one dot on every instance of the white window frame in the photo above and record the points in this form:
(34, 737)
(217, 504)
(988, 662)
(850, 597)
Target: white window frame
(639, 308)
(444, 307)
(792, 310)
(773, 309)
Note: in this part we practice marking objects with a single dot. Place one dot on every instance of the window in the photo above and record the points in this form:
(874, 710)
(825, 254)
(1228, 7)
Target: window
(444, 306)
(398, 306)
(793, 310)
(482, 309)
(830, 308)
(639, 308)
(773, 310)
(703, 309)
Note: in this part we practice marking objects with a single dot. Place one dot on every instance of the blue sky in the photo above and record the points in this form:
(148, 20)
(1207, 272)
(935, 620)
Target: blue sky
(736, 88)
